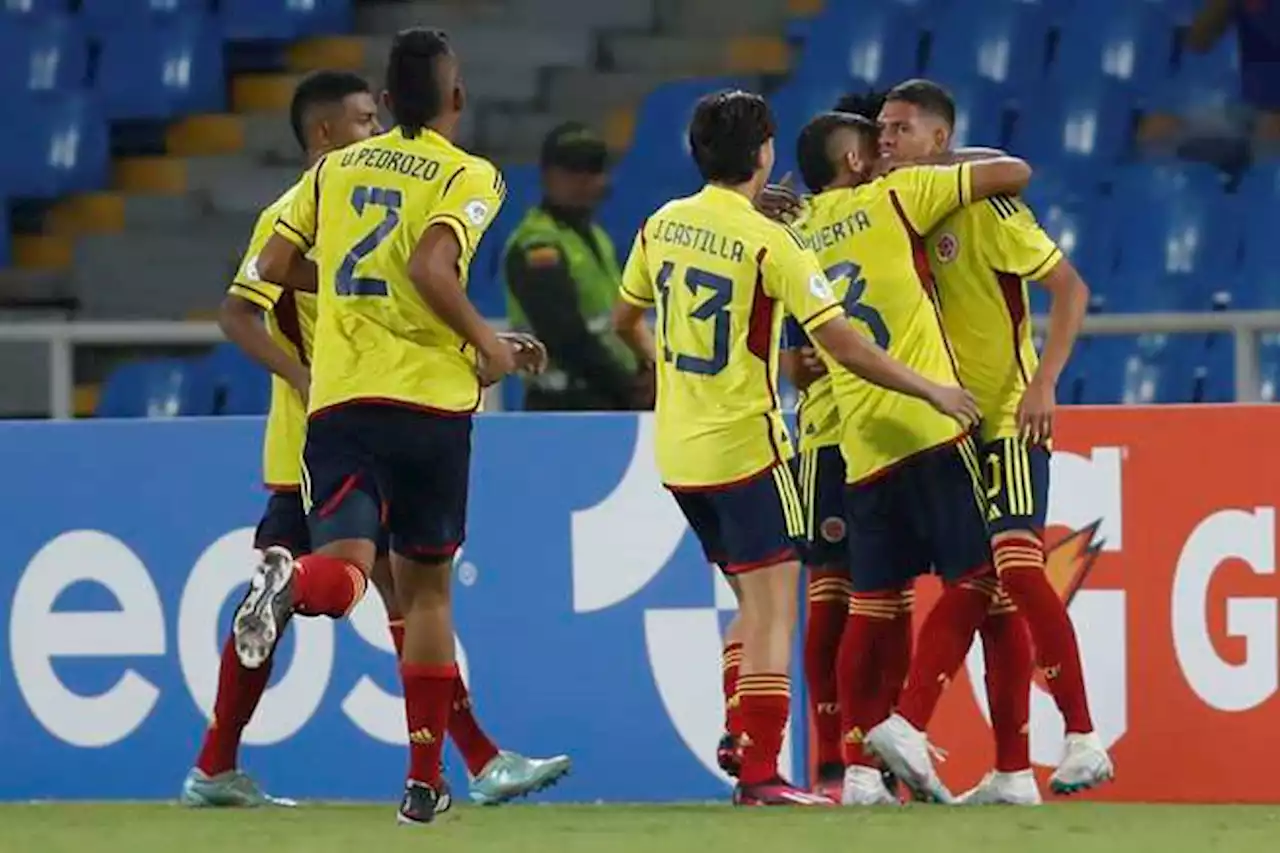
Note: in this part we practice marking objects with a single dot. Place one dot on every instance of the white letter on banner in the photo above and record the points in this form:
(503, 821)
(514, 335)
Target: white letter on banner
(37, 635)
(1222, 536)
(293, 699)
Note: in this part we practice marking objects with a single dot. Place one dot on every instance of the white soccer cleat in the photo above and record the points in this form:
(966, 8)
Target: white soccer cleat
(1003, 789)
(864, 786)
(905, 750)
(262, 615)
(1085, 764)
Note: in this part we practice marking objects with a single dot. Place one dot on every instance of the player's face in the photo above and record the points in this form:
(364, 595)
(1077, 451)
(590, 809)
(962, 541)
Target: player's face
(357, 121)
(907, 133)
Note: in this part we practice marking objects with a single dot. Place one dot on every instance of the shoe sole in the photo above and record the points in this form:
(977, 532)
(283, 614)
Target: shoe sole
(548, 782)
(922, 789)
(1066, 789)
(255, 626)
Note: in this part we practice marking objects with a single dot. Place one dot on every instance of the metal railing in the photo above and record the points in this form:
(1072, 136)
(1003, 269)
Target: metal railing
(63, 337)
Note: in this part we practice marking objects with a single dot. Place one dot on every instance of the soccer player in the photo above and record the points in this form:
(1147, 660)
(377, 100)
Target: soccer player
(330, 110)
(720, 275)
(983, 256)
(400, 358)
(913, 498)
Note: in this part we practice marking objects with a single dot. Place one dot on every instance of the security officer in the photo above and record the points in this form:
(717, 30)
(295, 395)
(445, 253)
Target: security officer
(562, 275)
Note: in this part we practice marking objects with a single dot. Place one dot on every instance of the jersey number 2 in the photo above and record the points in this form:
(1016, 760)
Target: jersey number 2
(715, 308)
(854, 307)
(348, 283)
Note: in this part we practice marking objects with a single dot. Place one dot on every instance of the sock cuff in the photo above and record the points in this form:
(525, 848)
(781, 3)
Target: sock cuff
(359, 585)
(907, 602)
(731, 657)
(829, 589)
(445, 672)
(764, 684)
(875, 605)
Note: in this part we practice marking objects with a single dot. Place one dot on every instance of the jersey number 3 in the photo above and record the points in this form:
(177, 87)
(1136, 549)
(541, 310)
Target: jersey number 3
(854, 307)
(348, 283)
(714, 308)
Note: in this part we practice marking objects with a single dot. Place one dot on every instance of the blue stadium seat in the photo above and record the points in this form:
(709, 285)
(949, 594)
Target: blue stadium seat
(660, 152)
(1129, 42)
(1269, 368)
(1079, 132)
(793, 105)
(858, 46)
(997, 40)
(60, 146)
(163, 68)
(980, 113)
(283, 20)
(241, 385)
(105, 16)
(42, 55)
(156, 388)
(33, 8)
(524, 190)
(1138, 370)
(1220, 64)
(1084, 232)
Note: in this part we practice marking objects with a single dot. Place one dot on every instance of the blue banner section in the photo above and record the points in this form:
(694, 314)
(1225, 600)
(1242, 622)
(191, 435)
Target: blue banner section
(587, 619)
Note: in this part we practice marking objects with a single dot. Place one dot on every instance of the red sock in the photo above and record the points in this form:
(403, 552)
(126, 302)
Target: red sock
(239, 691)
(944, 640)
(1020, 562)
(766, 704)
(396, 628)
(428, 701)
(476, 748)
(1006, 647)
(828, 611)
(731, 664)
(327, 586)
(868, 643)
(897, 654)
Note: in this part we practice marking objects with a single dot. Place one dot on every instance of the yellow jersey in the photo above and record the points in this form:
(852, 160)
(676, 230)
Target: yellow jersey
(817, 416)
(983, 256)
(717, 271)
(360, 212)
(291, 321)
(870, 241)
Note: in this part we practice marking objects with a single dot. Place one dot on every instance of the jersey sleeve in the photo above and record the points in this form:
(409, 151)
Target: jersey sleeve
(793, 334)
(793, 276)
(298, 222)
(247, 284)
(637, 284)
(929, 194)
(1017, 243)
(472, 197)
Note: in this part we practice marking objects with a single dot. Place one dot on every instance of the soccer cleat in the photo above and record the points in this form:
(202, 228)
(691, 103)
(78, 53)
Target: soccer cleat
(420, 804)
(510, 775)
(830, 781)
(262, 615)
(864, 786)
(444, 796)
(1085, 764)
(776, 792)
(232, 789)
(729, 755)
(905, 750)
(1003, 789)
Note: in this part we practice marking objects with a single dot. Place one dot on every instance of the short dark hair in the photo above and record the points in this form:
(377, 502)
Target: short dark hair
(867, 104)
(413, 78)
(813, 148)
(927, 96)
(726, 134)
(321, 88)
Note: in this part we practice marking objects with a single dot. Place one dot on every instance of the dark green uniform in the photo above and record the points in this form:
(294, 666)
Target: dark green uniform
(562, 276)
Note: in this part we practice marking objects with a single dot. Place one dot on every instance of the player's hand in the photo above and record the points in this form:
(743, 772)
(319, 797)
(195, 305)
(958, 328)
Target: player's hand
(644, 392)
(502, 360)
(531, 353)
(956, 403)
(809, 367)
(1035, 412)
(779, 201)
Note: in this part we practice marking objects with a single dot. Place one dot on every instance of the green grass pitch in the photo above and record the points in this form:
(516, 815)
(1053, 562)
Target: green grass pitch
(1079, 828)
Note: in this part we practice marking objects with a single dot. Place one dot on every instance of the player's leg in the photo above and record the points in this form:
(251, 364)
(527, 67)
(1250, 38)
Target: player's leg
(216, 779)
(821, 480)
(729, 750)
(1018, 486)
(950, 511)
(1006, 647)
(869, 668)
(761, 522)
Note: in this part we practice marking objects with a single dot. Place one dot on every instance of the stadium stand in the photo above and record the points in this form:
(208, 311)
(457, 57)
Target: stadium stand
(151, 132)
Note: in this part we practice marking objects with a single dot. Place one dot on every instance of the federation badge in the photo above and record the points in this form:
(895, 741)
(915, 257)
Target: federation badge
(947, 248)
(251, 269)
(477, 211)
(832, 529)
(819, 286)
